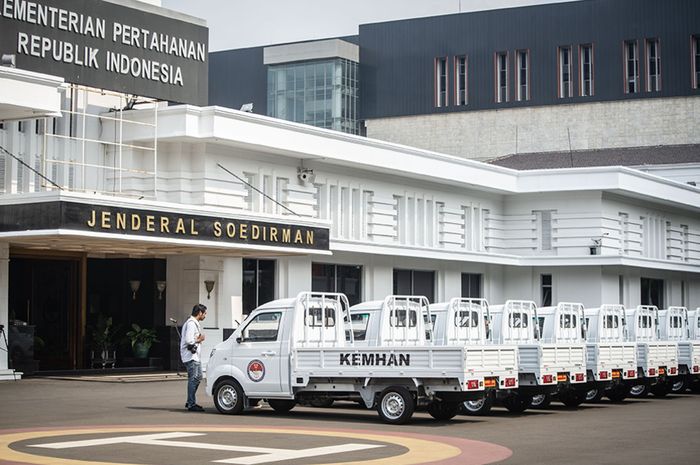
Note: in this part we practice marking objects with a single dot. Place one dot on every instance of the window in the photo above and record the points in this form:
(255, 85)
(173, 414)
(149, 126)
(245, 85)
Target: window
(359, 322)
(586, 70)
(2, 125)
(413, 282)
(461, 80)
(676, 322)
(518, 320)
(258, 283)
(631, 67)
(263, 328)
(402, 318)
(544, 226)
(565, 88)
(20, 126)
(471, 285)
(652, 292)
(568, 321)
(466, 319)
(695, 62)
(644, 321)
(501, 67)
(546, 286)
(653, 65)
(441, 82)
(523, 76)
(314, 319)
(611, 321)
(346, 279)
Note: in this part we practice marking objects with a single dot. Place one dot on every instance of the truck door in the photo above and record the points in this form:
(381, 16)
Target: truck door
(258, 353)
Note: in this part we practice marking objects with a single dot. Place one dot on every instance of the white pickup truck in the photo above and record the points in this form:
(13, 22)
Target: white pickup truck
(692, 380)
(467, 322)
(301, 350)
(611, 360)
(675, 325)
(655, 358)
(563, 348)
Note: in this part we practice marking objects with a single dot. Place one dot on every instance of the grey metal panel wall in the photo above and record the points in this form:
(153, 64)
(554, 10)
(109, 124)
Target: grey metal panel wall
(397, 58)
(237, 77)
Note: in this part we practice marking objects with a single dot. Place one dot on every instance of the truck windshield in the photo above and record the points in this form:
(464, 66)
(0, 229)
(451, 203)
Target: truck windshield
(359, 325)
(263, 327)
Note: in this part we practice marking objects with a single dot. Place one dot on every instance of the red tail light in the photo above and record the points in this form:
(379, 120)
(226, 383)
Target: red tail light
(696, 369)
(579, 376)
(547, 379)
(510, 382)
(603, 375)
(631, 374)
(473, 384)
(673, 370)
(652, 371)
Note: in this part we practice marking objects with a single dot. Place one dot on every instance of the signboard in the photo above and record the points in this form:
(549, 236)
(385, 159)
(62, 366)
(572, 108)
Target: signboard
(108, 46)
(150, 223)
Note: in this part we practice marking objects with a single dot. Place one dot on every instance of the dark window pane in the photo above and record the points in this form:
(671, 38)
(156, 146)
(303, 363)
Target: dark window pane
(402, 282)
(652, 292)
(350, 282)
(424, 284)
(471, 285)
(266, 281)
(249, 286)
(322, 277)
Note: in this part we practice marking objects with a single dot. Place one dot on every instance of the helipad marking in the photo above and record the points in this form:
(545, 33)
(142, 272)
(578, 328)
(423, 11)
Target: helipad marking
(421, 448)
(265, 454)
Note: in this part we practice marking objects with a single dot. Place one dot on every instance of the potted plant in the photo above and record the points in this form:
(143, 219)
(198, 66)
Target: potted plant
(141, 340)
(103, 336)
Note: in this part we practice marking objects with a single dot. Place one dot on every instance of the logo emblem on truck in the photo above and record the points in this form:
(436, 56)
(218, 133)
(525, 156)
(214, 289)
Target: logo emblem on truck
(256, 370)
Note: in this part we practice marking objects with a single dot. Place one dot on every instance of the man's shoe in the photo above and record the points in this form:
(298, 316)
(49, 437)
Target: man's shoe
(196, 408)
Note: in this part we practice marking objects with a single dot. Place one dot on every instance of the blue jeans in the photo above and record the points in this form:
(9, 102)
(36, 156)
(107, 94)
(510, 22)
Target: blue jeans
(194, 377)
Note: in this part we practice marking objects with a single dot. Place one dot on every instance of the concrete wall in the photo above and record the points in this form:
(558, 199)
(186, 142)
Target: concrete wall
(482, 135)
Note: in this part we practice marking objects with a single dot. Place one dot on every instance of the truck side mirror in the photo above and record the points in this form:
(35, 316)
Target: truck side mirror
(238, 340)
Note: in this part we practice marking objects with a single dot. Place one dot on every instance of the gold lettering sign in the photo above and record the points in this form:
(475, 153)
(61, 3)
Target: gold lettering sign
(110, 220)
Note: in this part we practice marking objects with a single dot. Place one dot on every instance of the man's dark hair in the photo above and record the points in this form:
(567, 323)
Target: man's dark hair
(197, 309)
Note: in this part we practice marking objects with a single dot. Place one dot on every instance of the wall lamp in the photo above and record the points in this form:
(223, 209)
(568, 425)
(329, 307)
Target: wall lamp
(209, 285)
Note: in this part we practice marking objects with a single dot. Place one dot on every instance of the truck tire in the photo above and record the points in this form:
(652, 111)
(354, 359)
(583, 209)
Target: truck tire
(695, 386)
(479, 407)
(680, 386)
(618, 393)
(396, 405)
(572, 398)
(660, 389)
(281, 405)
(639, 391)
(443, 410)
(517, 403)
(595, 395)
(229, 397)
(541, 401)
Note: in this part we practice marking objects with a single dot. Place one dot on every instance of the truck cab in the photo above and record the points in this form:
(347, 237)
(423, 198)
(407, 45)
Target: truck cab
(679, 325)
(563, 344)
(302, 350)
(610, 358)
(656, 358)
(467, 322)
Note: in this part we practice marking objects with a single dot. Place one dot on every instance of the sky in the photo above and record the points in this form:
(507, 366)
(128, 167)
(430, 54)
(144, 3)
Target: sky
(248, 23)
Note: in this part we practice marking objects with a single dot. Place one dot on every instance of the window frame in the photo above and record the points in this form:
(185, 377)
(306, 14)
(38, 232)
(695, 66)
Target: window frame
(440, 64)
(648, 77)
(520, 72)
(626, 63)
(497, 75)
(458, 74)
(266, 339)
(560, 72)
(546, 300)
(582, 68)
(695, 61)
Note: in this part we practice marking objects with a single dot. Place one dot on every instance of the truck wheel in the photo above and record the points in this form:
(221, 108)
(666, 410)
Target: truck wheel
(639, 391)
(517, 403)
(479, 407)
(680, 386)
(443, 410)
(395, 405)
(618, 393)
(695, 386)
(281, 405)
(541, 401)
(229, 397)
(572, 398)
(594, 396)
(660, 389)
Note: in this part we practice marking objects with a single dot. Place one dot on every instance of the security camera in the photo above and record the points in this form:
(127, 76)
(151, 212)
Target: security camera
(305, 175)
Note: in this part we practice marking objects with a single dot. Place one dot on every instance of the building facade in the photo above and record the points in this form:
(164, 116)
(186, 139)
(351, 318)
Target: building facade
(118, 211)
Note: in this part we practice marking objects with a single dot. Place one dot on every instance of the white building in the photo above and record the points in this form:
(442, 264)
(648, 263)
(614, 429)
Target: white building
(137, 211)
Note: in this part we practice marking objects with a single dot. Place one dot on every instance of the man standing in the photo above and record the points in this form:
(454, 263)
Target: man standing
(190, 347)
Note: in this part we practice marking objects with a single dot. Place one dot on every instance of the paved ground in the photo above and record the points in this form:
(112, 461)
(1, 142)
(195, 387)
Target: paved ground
(78, 421)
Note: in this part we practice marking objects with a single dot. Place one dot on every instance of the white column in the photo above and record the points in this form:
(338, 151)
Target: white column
(293, 276)
(4, 295)
(231, 293)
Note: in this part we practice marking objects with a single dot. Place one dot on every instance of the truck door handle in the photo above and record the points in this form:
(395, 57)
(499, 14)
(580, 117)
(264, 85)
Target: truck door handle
(269, 353)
